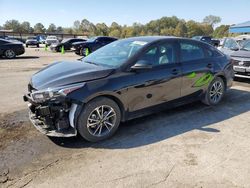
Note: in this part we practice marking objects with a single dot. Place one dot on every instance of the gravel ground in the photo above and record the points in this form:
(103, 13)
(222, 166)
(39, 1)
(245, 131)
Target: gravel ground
(190, 146)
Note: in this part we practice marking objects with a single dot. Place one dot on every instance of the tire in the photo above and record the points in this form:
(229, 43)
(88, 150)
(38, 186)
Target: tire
(37, 45)
(10, 54)
(83, 51)
(27, 46)
(91, 126)
(215, 92)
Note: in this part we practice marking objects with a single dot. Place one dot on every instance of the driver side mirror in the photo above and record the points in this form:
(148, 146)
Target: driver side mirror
(141, 65)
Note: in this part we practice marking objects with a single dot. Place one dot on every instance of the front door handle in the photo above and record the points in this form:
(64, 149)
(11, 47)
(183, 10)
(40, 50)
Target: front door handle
(209, 65)
(175, 71)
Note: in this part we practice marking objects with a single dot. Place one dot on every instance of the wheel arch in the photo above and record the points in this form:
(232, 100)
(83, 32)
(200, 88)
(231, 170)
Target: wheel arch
(223, 78)
(112, 97)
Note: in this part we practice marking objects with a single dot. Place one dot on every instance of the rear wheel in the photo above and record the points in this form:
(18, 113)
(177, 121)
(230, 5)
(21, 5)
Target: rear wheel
(37, 45)
(215, 92)
(99, 119)
(9, 54)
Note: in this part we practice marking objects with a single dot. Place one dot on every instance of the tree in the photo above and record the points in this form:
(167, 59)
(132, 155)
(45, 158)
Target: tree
(212, 20)
(59, 30)
(207, 29)
(39, 28)
(167, 31)
(26, 28)
(101, 29)
(68, 31)
(85, 26)
(115, 33)
(76, 27)
(180, 30)
(51, 28)
(221, 31)
(193, 28)
(12, 25)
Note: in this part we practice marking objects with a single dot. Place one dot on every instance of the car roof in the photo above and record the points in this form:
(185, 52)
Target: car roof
(151, 39)
(4, 40)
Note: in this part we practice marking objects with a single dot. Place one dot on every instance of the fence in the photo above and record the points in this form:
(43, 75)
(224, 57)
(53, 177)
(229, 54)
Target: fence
(23, 36)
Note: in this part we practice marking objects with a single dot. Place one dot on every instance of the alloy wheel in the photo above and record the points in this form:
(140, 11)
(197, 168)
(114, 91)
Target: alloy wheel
(216, 92)
(101, 120)
(9, 54)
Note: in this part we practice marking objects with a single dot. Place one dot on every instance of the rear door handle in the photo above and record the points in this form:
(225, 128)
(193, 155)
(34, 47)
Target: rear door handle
(209, 65)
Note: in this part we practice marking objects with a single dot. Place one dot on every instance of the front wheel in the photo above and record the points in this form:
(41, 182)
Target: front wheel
(215, 92)
(99, 119)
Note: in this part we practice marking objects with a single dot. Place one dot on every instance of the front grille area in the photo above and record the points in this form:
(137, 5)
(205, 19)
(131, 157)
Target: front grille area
(241, 63)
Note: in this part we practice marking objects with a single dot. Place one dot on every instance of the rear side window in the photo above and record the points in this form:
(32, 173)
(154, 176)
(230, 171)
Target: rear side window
(213, 53)
(191, 51)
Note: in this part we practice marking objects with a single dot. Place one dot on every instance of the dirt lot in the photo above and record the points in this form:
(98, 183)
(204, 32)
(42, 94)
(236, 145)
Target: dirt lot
(190, 146)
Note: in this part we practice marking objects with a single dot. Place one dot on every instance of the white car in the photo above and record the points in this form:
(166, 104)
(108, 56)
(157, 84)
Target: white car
(51, 40)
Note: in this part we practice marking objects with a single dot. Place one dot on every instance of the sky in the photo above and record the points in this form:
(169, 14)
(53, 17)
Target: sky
(65, 12)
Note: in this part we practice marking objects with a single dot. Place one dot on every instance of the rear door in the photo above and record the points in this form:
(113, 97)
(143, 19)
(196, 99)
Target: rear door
(197, 70)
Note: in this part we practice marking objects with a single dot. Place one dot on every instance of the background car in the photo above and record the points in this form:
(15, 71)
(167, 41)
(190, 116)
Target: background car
(241, 60)
(41, 39)
(66, 43)
(91, 45)
(32, 41)
(123, 80)
(208, 40)
(230, 45)
(50, 40)
(9, 49)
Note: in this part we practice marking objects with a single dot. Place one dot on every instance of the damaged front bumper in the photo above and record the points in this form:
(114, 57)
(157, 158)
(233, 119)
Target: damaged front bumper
(53, 118)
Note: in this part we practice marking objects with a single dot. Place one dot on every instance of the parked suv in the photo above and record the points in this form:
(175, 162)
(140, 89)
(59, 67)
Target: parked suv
(50, 40)
(32, 41)
(123, 80)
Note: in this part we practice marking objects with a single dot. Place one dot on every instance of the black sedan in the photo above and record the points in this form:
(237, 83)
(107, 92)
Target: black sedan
(85, 48)
(124, 80)
(9, 49)
(241, 60)
(66, 43)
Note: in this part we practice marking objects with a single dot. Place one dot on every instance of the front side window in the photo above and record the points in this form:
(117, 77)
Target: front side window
(191, 51)
(159, 55)
(246, 46)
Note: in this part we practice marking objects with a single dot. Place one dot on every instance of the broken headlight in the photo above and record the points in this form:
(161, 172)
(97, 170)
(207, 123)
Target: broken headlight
(44, 95)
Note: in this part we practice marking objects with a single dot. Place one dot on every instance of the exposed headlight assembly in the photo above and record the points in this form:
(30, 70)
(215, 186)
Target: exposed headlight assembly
(44, 95)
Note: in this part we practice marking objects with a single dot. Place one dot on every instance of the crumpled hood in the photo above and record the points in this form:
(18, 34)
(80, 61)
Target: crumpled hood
(64, 73)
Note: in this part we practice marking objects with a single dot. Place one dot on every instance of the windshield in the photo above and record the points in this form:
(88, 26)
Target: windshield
(246, 46)
(196, 37)
(115, 54)
(92, 39)
(65, 40)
